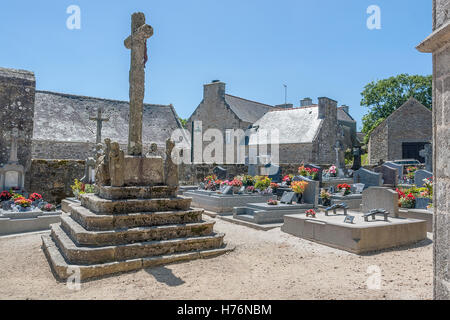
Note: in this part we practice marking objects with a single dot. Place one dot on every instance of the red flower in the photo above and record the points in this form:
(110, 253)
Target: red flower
(35, 197)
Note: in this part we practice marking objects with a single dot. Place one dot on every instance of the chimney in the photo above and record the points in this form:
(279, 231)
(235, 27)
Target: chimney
(214, 91)
(345, 108)
(285, 106)
(327, 109)
(306, 102)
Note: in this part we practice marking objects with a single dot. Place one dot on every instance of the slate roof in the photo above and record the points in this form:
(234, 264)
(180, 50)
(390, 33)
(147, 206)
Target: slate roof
(298, 125)
(65, 117)
(344, 116)
(247, 110)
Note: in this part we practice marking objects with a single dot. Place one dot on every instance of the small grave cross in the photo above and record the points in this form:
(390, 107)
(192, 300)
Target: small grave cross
(15, 136)
(100, 121)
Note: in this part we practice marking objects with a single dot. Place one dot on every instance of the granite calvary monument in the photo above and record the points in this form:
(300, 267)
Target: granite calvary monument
(135, 219)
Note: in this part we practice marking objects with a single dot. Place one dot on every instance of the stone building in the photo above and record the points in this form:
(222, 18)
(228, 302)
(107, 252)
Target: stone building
(309, 134)
(402, 135)
(438, 43)
(224, 112)
(62, 129)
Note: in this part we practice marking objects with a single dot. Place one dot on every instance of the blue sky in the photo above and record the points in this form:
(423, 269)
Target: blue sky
(318, 48)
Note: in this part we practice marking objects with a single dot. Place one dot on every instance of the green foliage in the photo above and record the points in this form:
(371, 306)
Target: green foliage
(183, 122)
(385, 96)
(262, 182)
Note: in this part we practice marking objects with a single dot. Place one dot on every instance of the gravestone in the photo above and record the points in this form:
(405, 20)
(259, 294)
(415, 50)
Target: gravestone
(288, 197)
(380, 197)
(313, 166)
(390, 175)
(398, 167)
(220, 172)
(12, 174)
(420, 176)
(312, 191)
(427, 154)
(89, 171)
(356, 158)
(358, 188)
(369, 178)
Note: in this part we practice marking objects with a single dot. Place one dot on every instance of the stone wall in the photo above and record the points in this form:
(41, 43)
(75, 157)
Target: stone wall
(412, 122)
(53, 178)
(438, 43)
(17, 89)
(297, 153)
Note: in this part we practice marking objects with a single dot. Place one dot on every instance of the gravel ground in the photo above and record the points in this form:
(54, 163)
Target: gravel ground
(265, 265)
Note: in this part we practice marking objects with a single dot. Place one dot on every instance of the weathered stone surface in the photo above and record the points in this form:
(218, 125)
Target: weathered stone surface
(380, 198)
(369, 178)
(155, 192)
(53, 178)
(389, 175)
(420, 176)
(116, 165)
(141, 171)
(105, 206)
(171, 168)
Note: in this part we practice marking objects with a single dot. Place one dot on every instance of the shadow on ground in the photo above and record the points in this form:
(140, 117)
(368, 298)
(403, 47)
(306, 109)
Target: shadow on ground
(165, 275)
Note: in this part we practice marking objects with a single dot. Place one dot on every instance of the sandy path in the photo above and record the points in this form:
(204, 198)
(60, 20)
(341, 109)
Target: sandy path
(265, 265)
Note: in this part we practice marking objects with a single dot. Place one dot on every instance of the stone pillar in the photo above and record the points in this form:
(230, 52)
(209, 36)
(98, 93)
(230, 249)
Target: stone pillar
(438, 43)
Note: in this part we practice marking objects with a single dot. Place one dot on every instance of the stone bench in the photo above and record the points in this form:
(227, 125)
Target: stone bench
(337, 206)
(374, 212)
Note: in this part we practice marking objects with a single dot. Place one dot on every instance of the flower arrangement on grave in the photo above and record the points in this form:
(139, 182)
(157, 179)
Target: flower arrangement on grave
(332, 171)
(250, 189)
(210, 178)
(326, 197)
(428, 184)
(311, 213)
(248, 180)
(274, 186)
(262, 182)
(406, 200)
(48, 207)
(5, 196)
(272, 202)
(411, 172)
(308, 172)
(347, 188)
(235, 183)
(288, 179)
(299, 187)
(35, 197)
(22, 202)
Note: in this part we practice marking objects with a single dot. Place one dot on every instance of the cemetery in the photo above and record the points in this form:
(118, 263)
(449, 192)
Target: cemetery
(137, 210)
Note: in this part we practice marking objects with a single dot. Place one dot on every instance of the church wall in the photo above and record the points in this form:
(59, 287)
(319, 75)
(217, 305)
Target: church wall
(17, 88)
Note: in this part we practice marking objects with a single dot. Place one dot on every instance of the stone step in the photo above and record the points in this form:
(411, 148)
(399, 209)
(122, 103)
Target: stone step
(96, 222)
(155, 192)
(83, 237)
(94, 255)
(63, 270)
(106, 206)
(245, 217)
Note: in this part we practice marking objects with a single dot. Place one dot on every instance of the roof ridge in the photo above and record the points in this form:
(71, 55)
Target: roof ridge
(264, 104)
(71, 95)
(298, 108)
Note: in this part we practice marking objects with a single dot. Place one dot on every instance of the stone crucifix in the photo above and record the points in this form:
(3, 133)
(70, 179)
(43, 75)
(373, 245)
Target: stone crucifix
(100, 121)
(14, 137)
(137, 42)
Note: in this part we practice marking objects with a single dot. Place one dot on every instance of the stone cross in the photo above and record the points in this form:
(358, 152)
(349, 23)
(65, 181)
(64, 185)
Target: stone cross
(100, 121)
(14, 137)
(137, 42)
(427, 153)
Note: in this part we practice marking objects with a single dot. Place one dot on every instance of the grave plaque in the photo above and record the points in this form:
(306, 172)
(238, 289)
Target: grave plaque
(420, 176)
(349, 219)
(288, 197)
(228, 190)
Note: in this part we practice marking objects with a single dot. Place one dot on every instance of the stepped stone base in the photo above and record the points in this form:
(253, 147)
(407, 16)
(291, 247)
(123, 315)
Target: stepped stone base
(129, 228)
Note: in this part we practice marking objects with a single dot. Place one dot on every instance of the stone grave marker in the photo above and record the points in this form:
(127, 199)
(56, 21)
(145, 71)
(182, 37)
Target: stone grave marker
(220, 172)
(390, 175)
(312, 191)
(228, 190)
(288, 197)
(427, 153)
(369, 178)
(420, 176)
(398, 167)
(380, 197)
